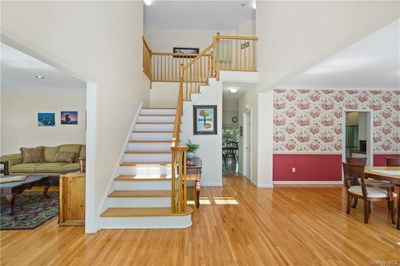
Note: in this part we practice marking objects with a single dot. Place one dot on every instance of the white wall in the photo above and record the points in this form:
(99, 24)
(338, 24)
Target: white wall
(210, 150)
(247, 28)
(19, 126)
(163, 40)
(164, 94)
(95, 41)
(250, 101)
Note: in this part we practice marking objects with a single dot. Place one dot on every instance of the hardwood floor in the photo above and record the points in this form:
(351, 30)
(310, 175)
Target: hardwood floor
(248, 226)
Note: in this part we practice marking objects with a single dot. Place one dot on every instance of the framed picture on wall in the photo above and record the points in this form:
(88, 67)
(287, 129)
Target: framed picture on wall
(204, 119)
(69, 117)
(186, 52)
(46, 119)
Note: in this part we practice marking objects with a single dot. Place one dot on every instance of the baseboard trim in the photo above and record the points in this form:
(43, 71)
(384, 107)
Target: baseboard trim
(308, 182)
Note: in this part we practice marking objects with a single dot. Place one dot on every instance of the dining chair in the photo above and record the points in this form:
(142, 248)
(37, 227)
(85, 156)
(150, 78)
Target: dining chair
(363, 162)
(357, 161)
(392, 161)
(368, 193)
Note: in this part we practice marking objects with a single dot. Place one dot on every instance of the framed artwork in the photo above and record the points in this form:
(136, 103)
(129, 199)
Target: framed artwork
(69, 117)
(186, 52)
(204, 119)
(46, 119)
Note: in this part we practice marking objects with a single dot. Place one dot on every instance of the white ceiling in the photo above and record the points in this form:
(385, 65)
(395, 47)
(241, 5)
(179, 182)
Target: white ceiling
(232, 99)
(18, 71)
(373, 62)
(198, 15)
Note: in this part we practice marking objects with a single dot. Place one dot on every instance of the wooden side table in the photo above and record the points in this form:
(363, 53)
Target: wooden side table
(194, 174)
(72, 199)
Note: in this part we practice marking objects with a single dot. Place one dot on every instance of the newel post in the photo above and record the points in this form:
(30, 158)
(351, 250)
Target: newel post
(217, 38)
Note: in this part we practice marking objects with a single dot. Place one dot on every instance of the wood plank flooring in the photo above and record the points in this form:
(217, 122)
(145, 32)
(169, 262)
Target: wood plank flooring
(236, 225)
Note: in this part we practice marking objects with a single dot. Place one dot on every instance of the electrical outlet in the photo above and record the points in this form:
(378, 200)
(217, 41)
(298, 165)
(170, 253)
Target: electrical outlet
(293, 170)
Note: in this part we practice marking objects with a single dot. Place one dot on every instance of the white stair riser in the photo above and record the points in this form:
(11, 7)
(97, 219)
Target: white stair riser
(155, 119)
(155, 127)
(151, 136)
(145, 171)
(147, 158)
(146, 222)
(149, 146)
(142, 185)
(138, 202)
(158, 111)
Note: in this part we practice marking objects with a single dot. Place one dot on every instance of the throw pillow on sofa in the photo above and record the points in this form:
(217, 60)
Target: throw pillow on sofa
(32, 155)
(50, 154)
(65, 156)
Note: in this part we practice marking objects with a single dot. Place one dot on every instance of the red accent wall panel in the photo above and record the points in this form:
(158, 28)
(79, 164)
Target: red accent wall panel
(309, 167)
(379, 159)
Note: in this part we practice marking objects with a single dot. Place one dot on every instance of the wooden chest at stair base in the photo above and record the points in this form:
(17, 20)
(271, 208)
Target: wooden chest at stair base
(72, 199)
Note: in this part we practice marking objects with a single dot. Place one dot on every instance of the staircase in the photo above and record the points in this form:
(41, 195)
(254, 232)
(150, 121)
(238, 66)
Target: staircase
(141, 194)
(150, 189)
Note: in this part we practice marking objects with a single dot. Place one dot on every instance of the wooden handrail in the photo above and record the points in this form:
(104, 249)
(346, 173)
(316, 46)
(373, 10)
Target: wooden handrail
(244, 38)
(203, 53)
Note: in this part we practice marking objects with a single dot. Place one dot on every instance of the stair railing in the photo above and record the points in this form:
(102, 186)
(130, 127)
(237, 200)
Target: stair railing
(147, 58)
(225, 53)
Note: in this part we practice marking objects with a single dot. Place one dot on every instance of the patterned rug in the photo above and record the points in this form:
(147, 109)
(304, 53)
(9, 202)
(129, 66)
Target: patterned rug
(31, 209)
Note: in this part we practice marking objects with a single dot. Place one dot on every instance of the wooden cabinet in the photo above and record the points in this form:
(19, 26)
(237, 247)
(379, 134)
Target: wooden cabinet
(72, 199)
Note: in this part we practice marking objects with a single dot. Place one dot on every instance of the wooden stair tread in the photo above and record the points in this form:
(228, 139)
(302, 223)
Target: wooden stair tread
(142, 212)
(154, 123)
(156, 115)
(146, 163)
(148, 152)
(152, 131)
(140, 193)
(158, 108)
(150, 141)
(142, 178)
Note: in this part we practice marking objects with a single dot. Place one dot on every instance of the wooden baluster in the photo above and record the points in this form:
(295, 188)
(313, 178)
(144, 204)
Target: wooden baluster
(173, 187)
(254, 55)
(184, 180)
(218, 55)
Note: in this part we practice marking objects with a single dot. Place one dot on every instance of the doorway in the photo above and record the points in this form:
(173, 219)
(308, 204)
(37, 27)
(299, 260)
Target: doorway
(357, 136)
(247, 144)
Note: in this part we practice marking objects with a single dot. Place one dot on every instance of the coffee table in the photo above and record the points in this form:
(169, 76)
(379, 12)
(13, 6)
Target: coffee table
(10, 190)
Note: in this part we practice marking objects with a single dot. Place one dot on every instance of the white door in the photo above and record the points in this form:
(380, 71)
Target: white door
(247, 144)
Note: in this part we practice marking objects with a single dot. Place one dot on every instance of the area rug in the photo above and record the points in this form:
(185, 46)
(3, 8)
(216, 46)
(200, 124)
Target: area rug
(31, 210)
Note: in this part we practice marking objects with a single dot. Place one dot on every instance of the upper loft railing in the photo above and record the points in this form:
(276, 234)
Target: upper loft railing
(225, 53)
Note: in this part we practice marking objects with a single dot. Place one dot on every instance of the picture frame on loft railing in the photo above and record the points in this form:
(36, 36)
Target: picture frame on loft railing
(186, 52)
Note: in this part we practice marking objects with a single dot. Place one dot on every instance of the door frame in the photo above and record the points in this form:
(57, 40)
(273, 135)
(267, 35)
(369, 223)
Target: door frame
(247, 141)
(370, 128)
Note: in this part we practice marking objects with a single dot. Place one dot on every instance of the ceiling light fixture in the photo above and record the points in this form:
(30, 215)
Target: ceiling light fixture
(254, 4)
(39, 77)
(148, 2)
(233, 90)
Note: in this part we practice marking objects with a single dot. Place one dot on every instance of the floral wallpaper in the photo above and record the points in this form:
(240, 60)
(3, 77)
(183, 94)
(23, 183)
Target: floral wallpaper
(311, 120)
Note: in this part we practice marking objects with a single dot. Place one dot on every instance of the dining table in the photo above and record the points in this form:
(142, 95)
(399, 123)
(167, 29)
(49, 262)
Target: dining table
(386, 173)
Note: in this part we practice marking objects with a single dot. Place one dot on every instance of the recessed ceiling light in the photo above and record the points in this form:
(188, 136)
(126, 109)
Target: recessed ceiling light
(233, 90)
(254, 4)
(148, 2)
(39, 77)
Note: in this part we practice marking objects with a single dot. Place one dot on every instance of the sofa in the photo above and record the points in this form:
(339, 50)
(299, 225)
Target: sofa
(50, 163)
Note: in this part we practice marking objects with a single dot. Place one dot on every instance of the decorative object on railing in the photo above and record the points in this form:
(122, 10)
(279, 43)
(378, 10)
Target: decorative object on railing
(228, 53)
(235, 53)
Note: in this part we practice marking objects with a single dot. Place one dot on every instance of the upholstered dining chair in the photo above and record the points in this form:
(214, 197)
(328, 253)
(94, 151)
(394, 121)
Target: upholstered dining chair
(368, 193)
(392, 161)
(363, 162)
